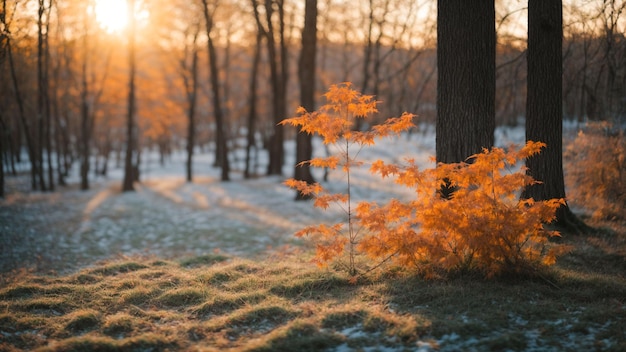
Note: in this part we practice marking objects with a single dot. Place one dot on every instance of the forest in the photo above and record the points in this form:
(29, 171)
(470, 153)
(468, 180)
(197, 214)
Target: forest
(312, 174)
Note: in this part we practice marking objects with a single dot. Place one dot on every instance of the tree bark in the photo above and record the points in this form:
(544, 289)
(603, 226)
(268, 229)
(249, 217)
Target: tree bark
(544, 109)
(3, 137)
(306, 74)
(466, 47)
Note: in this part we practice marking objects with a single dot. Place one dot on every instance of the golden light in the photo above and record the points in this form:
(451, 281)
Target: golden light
(112, 15)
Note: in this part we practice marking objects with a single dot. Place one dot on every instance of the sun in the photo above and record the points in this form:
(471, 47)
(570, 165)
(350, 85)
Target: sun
(112, 15)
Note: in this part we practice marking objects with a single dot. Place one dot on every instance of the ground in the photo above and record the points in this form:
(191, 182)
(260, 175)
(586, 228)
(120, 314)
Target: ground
(130, 256)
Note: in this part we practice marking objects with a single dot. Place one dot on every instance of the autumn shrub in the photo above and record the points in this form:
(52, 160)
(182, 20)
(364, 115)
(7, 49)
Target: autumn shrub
(596, 171)
(483, 226)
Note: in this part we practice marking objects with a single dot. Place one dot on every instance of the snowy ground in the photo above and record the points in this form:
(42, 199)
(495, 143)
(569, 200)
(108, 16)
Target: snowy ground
(169, 217)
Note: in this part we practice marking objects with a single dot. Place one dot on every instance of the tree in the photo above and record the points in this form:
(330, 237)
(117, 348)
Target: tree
(544, 109)
(306, 74)
(4, 133)
(131, 172)
(220, 131)
(43, 98)
(20, 101)
(252, 104)
(277, 55)
(190, 78)
(86, 122)
(466, 43)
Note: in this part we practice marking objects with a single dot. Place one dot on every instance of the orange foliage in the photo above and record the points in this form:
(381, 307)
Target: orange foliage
(596, 171)
(334, 123)
(484, 225)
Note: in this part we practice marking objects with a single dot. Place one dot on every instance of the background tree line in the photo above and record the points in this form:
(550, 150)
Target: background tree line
(217, 75)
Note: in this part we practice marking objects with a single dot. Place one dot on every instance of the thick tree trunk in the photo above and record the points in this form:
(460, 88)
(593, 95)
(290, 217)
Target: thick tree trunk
(306, 73)
(544, 109)
(3, 137)
(466, 47)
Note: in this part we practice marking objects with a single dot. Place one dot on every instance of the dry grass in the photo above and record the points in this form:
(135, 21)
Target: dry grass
(285, 304)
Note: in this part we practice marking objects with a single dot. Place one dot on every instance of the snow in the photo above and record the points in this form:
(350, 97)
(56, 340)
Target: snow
(169, 217)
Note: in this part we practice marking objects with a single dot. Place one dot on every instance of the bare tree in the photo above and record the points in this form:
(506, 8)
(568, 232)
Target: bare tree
(277, 52)
(190, 78)
(252, 105)
(131, 172)
(20, 102)
(220, 130)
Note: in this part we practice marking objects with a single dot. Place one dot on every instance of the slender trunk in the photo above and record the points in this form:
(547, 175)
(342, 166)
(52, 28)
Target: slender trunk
(129, 169)
(276, 147)
(48, 117)
(84, 104)
(58, 128)
(252, 104)
(367, 54)
(221, 138)
(192, 93)
(306, 73)
(41, 95)
(23, 120)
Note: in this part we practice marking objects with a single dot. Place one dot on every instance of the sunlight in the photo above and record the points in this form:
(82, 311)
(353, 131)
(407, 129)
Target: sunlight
(112, 15)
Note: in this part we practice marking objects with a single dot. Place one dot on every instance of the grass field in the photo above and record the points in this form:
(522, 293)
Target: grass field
(217, 302)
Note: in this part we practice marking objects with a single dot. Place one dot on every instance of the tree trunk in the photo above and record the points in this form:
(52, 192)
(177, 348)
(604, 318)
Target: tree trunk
(41, 93)
(466, 40)
(256, 60)
(220, 130)
(4, 131)
(48, 115)
(192, 93)
(85, 135)
(278, 78)
(306, 73)
(129, 169)
(23, 120)
(3, 138)
(544, 109)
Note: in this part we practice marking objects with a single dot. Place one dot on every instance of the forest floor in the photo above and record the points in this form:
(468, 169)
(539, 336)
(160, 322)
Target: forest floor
(214, 265)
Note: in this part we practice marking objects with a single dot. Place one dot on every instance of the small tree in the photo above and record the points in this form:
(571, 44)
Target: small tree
(482, 226)
(334, 123)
